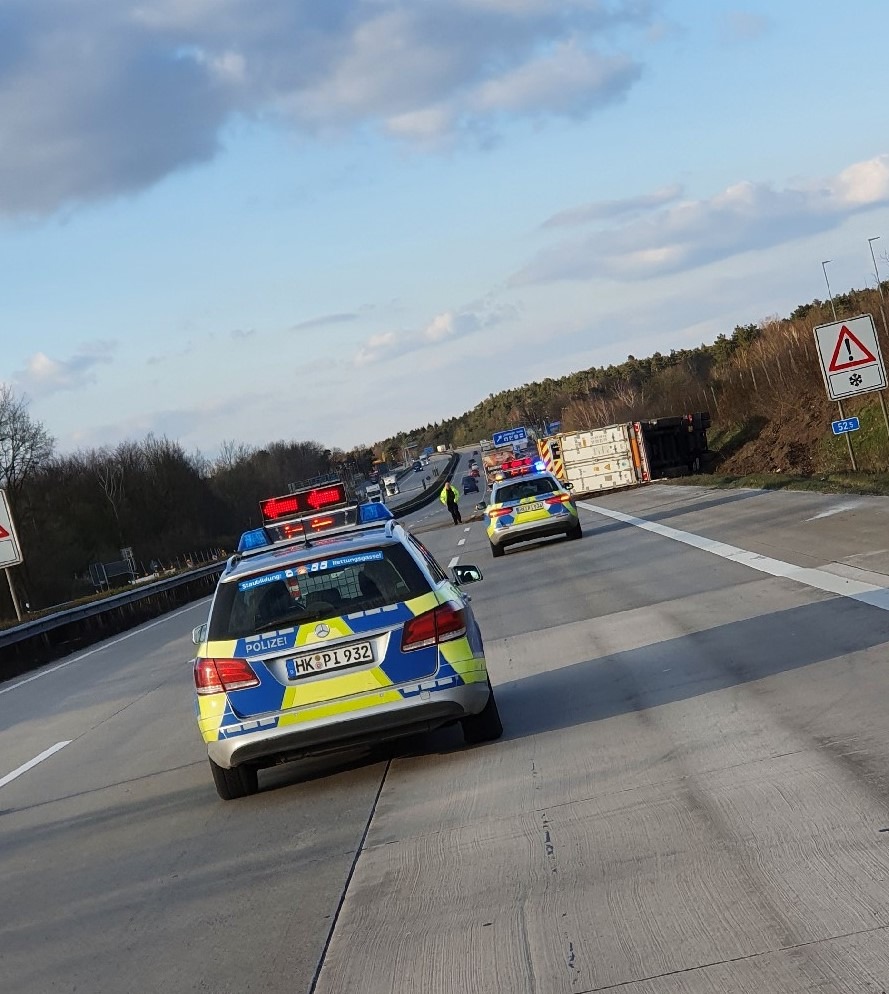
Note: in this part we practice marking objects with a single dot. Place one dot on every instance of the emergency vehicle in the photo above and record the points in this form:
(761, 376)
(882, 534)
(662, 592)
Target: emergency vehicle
(333, 627)
(528, 503)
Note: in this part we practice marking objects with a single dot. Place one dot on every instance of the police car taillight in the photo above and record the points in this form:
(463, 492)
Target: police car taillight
(442, 624)
(217, 676)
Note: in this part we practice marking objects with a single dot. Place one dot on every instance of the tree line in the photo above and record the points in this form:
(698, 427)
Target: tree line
(167, 505)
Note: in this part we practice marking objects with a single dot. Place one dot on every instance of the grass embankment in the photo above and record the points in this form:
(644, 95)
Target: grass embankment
(737, 448)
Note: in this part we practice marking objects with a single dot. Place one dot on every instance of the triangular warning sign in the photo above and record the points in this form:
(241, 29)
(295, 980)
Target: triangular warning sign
(849, 352)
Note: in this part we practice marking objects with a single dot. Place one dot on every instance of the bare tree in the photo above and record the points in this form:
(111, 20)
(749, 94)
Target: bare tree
(24, 443)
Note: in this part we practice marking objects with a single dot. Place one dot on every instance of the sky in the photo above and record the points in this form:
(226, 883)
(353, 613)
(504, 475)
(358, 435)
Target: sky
(335, 220)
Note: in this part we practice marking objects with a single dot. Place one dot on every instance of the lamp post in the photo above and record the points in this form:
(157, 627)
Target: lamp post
(870, 245)
(827, 281)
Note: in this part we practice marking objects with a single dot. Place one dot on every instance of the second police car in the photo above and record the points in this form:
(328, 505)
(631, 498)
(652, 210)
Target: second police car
(333, 627)
(527, 504)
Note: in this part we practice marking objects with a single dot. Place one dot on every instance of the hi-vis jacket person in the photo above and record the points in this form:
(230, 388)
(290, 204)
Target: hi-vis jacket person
(448, 497)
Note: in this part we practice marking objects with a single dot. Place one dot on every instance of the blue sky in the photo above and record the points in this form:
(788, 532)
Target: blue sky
(338, 219)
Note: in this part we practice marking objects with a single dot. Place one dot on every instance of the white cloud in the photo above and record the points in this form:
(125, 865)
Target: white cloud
(444, 327)
(99, 98)
(603, 209)
(43, 375)
(692, 233)
(567, 81)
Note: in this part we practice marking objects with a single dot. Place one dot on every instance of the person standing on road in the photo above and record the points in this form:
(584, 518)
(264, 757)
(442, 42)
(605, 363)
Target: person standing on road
(449, 497)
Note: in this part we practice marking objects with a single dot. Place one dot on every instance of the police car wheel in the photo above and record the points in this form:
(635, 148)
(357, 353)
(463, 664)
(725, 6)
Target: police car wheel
(575, 532)
(484, 726)
(240, 781)
(497, 550)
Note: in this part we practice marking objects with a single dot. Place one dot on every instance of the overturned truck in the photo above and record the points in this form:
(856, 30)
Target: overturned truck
(627, 455)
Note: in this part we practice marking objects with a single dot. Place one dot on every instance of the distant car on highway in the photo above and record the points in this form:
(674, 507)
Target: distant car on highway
(417, 466)
(470, 485)
(333, 627)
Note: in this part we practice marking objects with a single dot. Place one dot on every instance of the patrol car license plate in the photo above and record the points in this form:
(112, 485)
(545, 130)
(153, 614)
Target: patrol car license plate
(536, 506)
(328, 659)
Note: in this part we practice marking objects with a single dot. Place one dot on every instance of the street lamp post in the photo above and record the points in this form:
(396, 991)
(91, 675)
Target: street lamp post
(827, 281)
(870, 245)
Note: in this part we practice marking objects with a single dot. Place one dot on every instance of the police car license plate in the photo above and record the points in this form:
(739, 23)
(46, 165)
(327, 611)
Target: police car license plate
(328, 659)
(536, 506)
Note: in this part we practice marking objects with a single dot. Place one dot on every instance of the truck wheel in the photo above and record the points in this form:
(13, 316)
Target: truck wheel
(575, 532)
(484, 726)
(497, 550)
(240, 781)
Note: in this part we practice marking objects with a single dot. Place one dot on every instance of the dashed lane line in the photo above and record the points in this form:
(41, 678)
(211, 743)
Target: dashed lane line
(51, 751)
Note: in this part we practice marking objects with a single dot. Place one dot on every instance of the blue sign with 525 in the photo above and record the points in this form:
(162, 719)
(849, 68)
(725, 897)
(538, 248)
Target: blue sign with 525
(508, 437)
(846, 425)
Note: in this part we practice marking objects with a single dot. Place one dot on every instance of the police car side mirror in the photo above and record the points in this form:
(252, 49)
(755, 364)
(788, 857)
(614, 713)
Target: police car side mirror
(480, 506)
(199, 634)
(467, 574)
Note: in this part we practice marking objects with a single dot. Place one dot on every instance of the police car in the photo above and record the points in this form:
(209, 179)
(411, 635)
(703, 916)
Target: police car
(527, 504)
(333, 627)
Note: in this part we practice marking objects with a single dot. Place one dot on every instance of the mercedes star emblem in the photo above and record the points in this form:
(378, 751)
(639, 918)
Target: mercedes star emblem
(321, 631)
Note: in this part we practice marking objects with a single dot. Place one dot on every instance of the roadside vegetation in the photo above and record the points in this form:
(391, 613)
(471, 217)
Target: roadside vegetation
(761, 384)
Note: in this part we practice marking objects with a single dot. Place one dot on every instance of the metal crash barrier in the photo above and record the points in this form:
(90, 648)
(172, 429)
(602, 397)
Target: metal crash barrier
(27, 646)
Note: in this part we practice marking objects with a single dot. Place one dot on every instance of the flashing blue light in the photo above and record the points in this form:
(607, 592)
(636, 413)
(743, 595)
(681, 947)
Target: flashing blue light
(368, 513)
(255, 539)
(539, 466)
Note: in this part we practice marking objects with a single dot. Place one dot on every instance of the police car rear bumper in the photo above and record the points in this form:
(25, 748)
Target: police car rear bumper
(423, 711)
(559, 524)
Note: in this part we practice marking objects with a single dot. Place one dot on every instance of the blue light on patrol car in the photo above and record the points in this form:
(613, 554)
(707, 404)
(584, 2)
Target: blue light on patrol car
(539, 466)
(255, 539)
(368, 513)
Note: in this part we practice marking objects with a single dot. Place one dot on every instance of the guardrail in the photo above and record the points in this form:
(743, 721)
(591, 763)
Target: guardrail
(25, 647)
(431, 493)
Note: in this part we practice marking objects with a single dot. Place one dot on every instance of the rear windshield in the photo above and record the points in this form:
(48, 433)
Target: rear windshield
(525, 488)
(326, 587)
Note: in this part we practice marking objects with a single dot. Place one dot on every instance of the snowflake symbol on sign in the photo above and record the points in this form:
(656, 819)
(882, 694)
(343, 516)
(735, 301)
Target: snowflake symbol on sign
(855, 380)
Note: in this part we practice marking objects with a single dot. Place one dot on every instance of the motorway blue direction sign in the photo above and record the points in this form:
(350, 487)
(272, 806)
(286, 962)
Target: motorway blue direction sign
(553, 427)
(508, 437)
(846, 425)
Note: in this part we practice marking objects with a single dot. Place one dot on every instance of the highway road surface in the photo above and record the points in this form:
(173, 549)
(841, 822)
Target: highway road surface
(691, 794)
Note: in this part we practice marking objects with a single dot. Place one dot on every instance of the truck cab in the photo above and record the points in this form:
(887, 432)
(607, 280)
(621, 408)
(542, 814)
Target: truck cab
(373, 493)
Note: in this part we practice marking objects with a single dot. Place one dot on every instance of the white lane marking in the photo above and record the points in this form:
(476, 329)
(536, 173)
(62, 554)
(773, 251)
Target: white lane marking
(462, 541)
(866, 593)
(106, 645)
(466, 529)
(836, 509)
(51, 751)
(453, 562)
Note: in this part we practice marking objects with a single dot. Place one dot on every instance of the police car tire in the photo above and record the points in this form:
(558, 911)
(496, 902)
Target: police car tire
(240, 781)
(497, 550)
(484, 726)
(576, 531)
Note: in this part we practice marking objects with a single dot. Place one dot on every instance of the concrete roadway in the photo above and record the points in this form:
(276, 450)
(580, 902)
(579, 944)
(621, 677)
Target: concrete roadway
(691, 794)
